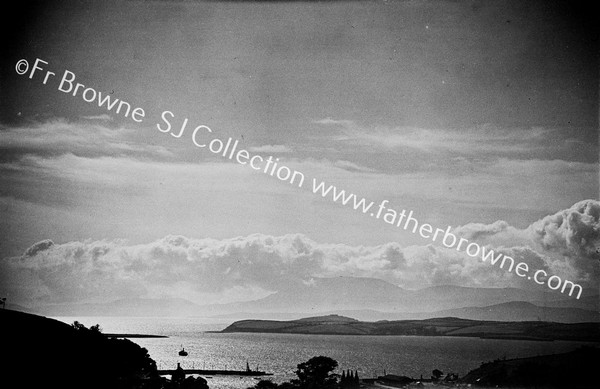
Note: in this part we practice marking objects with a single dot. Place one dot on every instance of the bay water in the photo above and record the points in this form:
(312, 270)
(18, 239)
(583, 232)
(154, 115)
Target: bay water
(371, 356)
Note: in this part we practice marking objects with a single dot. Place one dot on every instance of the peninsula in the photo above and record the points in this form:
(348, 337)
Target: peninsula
(446, 326)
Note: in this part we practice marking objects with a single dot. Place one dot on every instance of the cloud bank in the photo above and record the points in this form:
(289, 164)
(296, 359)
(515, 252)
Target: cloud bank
(242, 268)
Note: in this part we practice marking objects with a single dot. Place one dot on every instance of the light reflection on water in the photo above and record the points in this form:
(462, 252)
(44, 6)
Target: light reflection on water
(280, 353)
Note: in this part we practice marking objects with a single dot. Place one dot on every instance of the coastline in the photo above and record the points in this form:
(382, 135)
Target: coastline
(446, 326)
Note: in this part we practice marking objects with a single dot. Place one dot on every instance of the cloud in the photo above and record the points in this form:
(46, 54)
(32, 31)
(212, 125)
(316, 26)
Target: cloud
(499, 233)
(567, 242)
(507, 183)
(486, 142)
(206, 268)
(351, 166)
(104, 117)
(59, 136)
(330, 121)
(575, 230)
(271, 149)
(68, 196)
(572, 237)
(38, 247)
(92, 270)
(90, 180)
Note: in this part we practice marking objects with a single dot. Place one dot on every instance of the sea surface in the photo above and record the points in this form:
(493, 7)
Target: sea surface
(280, 353)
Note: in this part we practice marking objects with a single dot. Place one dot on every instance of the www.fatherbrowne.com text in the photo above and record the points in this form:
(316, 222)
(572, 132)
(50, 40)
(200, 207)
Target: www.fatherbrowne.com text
(445, 237)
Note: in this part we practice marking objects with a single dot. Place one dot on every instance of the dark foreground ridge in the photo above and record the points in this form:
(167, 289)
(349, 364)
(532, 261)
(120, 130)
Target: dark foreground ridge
(569, 370)
(45, 353)
(447, 326)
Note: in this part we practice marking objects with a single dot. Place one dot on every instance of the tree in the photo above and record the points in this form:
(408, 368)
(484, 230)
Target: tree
(316, 373)
(96, 328)
(265, 384)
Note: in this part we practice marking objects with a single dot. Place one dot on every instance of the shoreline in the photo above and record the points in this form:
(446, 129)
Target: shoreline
(132, 336)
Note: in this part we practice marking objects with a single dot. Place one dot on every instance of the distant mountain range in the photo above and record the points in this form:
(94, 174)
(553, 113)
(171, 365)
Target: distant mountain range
(124, 307)
(511, 311)
(348, 293)
(362, 298)
(446, 326)
(523, 311)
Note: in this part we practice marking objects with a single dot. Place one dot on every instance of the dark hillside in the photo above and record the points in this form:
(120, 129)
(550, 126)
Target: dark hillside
(38, 352)
(570, 370)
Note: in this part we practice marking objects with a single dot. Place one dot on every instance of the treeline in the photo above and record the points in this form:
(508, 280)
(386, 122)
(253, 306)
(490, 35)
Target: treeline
(316, 373)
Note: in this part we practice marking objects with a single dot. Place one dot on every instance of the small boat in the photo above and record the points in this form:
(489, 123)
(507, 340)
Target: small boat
(183, 353)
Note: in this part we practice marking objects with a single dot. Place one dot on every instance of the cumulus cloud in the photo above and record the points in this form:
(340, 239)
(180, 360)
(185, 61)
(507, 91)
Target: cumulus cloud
(205, 270)
(573, 231)
(566, 242)
(92, 270)
(571, 238)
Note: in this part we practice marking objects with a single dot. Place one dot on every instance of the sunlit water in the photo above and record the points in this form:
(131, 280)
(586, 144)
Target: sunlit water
(280, 353)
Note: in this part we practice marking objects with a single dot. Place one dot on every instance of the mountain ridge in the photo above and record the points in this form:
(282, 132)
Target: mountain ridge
(363, 298)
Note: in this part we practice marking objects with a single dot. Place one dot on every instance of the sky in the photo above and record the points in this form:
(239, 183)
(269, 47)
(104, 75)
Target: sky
(479, 115)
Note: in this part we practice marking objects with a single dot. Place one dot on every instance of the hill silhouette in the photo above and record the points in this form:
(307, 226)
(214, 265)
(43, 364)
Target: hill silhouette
(569, 370)
(45, 353)
(445, 326)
